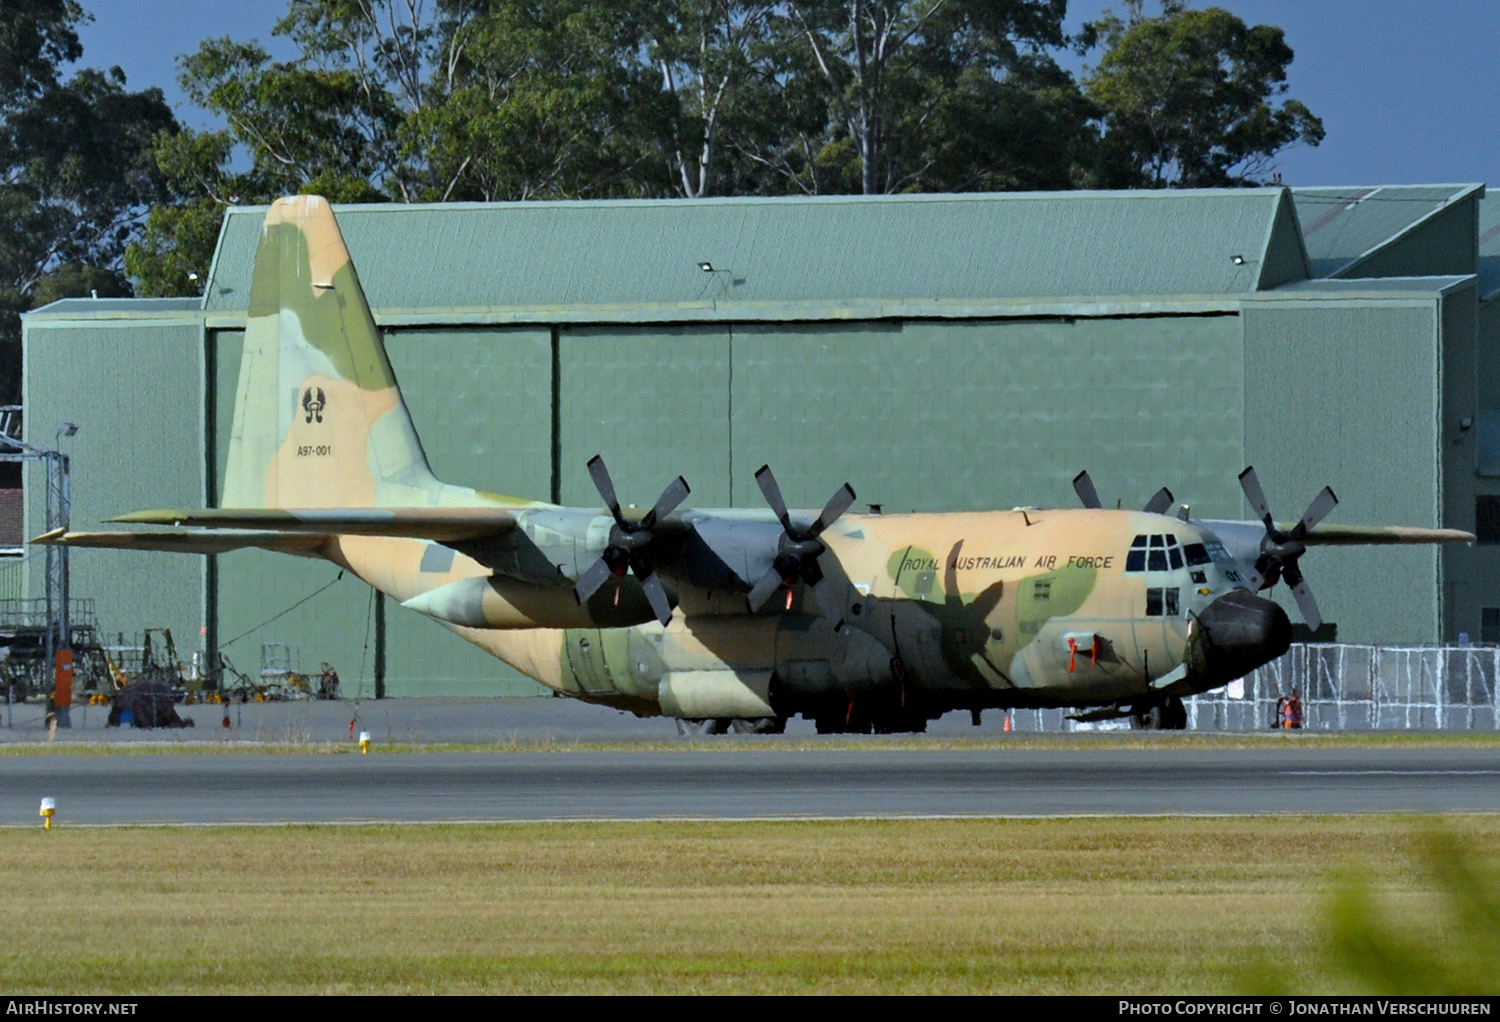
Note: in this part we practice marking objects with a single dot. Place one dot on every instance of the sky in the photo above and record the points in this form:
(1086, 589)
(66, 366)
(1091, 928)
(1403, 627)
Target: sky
(1404, 87)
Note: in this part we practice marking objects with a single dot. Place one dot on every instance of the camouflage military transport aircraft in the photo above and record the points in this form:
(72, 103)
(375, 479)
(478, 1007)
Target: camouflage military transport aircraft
(724, 618)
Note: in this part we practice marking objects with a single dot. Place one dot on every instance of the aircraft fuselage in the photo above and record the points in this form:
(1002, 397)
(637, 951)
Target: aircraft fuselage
(942, 611)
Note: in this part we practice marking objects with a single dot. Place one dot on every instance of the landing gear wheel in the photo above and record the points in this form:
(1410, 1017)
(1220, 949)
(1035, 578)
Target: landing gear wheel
(1169, 715)
(1174, 715)
(708, 726)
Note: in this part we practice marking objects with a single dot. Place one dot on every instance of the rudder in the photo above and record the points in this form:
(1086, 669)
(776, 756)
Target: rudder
(319, 420)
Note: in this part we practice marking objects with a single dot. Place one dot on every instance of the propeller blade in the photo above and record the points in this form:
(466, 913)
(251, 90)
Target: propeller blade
(832, 609)
(1160, 501)
(836, 506)
(1250, 483)
(1323, 503)
(656, 595)
(768, 488)
(764, 590)
(1083, 485)
(606, 487)
(589, 583)
(1309, 606)
(675, 493)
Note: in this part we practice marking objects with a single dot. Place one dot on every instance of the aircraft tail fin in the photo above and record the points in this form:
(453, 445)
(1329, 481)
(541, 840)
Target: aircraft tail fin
(319, 420)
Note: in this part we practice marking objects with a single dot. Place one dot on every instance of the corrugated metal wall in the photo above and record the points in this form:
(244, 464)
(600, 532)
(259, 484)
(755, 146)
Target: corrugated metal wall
(1346, 394)
(135, 389)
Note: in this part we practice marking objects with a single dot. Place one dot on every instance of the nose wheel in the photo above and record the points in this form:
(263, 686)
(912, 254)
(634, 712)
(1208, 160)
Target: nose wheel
(1167, 715)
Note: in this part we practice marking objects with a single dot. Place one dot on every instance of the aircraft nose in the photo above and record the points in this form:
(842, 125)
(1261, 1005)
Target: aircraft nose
(1237, 633)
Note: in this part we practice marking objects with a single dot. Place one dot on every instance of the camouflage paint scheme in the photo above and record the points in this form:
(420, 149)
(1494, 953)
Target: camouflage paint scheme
(942, 611)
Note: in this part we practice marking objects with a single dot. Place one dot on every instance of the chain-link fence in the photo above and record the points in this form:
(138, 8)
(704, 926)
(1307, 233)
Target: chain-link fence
(1342, 688)
(1345, 688)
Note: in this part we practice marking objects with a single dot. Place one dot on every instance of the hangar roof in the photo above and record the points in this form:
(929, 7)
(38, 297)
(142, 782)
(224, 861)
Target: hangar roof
(1489, 248)
(1342, 227)
(771, 257)
(73, 309)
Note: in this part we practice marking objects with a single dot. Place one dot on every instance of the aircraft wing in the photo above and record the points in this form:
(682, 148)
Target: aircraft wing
(1243, 538)
(442, 524)
(1379, 535)
(190, 541)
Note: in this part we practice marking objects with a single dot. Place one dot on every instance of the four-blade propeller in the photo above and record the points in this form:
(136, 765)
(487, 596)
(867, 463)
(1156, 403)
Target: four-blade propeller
(630, 542)
(1280, 551)
(798, 551)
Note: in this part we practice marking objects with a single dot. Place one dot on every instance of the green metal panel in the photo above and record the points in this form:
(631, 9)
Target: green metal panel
(135, 390)
(1487, 355)
(482, 402)
(964, 416)
(1489, 247)
(616, 257)
(1445, 242)
(1348, 394)
(272, 598)
(225, 346)
(655, 403)
(1344, 225)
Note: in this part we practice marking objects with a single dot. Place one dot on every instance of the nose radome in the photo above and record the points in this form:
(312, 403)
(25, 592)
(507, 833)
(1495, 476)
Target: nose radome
(1237, 633)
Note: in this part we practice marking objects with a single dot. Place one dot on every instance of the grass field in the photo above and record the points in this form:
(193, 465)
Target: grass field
(1046, 906)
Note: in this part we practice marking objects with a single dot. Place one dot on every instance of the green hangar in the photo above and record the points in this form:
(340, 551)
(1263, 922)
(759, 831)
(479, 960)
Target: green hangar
(944, 352)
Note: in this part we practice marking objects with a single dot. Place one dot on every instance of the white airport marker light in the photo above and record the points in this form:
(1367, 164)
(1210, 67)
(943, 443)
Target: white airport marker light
(49, 806)
(364, 742)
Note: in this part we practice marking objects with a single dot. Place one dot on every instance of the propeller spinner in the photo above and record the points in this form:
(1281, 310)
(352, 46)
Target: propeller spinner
(798, 552)
(1280, 551)
(630, 542)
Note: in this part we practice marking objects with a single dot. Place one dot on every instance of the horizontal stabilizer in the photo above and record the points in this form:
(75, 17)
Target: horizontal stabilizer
(190, 541)
(441, 524)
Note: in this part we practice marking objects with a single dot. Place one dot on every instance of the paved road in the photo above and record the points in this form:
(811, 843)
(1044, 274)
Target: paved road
(739, 783)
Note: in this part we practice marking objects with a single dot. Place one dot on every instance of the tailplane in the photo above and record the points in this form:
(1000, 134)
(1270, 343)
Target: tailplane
(319, 420)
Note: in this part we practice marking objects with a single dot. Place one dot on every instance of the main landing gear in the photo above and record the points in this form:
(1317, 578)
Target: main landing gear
(1167, 715)
(736, 725)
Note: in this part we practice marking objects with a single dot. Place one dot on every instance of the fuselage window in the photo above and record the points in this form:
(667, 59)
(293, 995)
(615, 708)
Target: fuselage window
(1161, 602)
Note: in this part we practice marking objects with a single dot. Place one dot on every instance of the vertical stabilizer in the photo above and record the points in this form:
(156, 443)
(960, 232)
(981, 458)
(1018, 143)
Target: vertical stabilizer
(318, 420)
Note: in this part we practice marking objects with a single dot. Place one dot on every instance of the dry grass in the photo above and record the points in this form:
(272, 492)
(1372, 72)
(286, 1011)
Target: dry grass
(959, 906)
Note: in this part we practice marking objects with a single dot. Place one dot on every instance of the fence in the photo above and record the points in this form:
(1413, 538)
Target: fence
(1344, 688)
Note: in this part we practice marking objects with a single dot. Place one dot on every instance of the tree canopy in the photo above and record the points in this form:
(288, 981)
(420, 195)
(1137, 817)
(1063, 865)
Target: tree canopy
(444, 100)
(77, 171)
(1189, 98)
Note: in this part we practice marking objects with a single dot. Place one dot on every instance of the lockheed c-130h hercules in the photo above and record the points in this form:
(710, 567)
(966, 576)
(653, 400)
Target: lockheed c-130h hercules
(724, 617)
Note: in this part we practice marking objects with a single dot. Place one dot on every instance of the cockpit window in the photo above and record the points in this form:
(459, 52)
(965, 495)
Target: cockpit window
(1196, 554)
(1156, 559)
(1217, 552)
(1158, 552)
